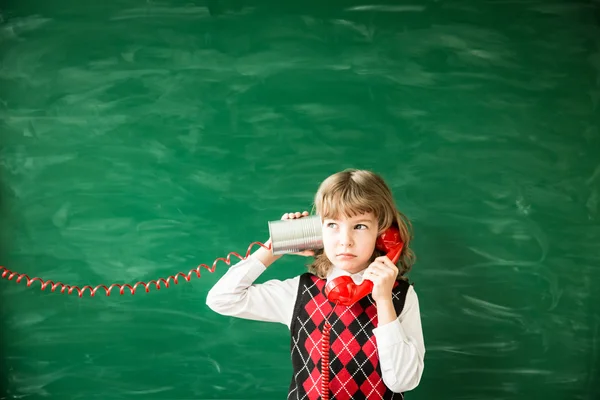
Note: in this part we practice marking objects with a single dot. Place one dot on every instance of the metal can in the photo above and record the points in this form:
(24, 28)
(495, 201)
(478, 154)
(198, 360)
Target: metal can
(296, 235)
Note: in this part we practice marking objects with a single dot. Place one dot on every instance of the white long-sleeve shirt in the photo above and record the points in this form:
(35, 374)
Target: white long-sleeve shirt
(400, 343)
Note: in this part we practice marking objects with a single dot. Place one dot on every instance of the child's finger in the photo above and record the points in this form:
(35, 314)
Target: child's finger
(387, 262)
(382, 269)
(377, 269)
(372, 276)
(293, 215)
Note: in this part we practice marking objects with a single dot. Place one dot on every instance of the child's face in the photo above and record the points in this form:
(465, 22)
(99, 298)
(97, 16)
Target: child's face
(349, 242)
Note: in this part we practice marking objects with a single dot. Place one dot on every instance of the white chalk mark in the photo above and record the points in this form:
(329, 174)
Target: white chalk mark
(385, 8)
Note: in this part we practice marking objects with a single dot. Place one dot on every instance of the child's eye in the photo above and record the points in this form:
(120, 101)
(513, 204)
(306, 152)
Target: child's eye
(363, 226)
(331, 225)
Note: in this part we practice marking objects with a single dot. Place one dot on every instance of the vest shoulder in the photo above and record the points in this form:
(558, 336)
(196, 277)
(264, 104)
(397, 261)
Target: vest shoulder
(399, 293)
(402, 285)
(308, 277)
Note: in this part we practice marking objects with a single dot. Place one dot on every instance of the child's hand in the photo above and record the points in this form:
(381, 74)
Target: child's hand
(382, 272)
(295, 215)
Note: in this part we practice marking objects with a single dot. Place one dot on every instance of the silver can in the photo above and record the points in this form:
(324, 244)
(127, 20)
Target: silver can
(295, 235)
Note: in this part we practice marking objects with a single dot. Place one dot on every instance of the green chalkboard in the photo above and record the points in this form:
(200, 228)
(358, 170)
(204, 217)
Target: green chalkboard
(140, 139)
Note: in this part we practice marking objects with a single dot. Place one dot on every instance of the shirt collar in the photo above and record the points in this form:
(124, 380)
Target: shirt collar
(334, 272)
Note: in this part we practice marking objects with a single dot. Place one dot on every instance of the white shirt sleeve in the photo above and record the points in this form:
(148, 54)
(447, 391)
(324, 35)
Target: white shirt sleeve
(401, 347)
(236, 295)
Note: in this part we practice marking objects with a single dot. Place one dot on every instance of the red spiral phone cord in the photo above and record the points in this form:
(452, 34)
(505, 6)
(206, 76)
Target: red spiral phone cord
(325, 361)
(8, 274)
(325, 356)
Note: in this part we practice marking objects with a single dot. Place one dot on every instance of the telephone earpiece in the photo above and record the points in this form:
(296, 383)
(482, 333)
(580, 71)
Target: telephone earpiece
(344, 291)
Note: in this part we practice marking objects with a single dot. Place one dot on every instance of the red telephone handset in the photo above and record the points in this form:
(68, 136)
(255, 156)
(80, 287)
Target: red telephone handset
(344, 291)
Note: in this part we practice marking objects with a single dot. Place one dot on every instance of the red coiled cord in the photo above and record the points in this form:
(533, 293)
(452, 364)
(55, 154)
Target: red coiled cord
(325, 357)
(8, 274)
(325, 361)
(325, 338)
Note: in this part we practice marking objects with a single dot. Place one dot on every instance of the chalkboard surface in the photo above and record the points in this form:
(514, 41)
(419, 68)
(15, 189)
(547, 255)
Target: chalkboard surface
(140, 139)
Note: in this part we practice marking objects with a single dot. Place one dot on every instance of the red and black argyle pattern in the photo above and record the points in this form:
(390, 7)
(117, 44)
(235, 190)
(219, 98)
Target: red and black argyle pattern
(354, 364)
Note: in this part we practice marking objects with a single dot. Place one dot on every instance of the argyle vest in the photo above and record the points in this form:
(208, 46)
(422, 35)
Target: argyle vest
(354, 368)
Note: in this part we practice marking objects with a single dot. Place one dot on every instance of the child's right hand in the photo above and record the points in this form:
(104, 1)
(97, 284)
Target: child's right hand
(295, 215)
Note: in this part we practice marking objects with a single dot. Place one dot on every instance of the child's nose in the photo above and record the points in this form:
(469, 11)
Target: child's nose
(346, 239)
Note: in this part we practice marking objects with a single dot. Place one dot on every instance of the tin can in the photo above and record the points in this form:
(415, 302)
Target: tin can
(296, 235)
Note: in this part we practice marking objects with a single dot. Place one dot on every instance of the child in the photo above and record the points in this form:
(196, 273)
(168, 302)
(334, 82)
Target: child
(376, 348)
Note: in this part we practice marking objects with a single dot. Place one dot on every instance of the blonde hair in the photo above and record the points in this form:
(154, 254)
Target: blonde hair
(352, 192)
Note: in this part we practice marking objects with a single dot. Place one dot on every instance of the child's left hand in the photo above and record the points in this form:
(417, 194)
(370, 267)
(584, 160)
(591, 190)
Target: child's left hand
(382, 272)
